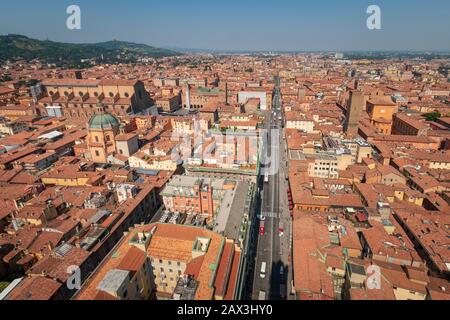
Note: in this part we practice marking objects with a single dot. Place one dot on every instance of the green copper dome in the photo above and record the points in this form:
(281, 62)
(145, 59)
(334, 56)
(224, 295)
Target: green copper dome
(103, 121)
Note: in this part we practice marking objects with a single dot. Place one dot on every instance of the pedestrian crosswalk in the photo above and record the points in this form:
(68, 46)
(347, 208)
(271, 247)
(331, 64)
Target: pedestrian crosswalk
(270, 214)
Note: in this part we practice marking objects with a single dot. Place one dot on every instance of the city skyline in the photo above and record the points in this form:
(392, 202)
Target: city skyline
(253, 26)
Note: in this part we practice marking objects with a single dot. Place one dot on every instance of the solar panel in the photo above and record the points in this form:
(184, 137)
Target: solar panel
(63, 249)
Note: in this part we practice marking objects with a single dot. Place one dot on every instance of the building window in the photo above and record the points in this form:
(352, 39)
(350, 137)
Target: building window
(111, 94)
(127, 95)
(97, 153)
(96, 138)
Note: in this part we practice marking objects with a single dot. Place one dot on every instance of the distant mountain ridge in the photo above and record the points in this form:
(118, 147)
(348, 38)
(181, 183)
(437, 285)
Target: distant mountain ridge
(135, 47)
(18, 46)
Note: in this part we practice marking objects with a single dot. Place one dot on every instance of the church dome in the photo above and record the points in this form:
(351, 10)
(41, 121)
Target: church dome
(103, 121)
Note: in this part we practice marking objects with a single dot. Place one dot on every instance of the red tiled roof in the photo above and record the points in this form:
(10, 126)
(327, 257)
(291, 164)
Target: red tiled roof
(224, 269)
(232, 282)
(133, 260)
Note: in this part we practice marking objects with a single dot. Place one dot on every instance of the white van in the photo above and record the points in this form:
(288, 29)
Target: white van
(263, 270)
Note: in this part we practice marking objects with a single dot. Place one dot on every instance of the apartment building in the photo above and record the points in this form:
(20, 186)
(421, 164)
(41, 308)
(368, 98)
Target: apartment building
(264, 96)
(200, 97)
(405, 124)
(11, 128)
(167, 262)
(295, 120)
(194, 195)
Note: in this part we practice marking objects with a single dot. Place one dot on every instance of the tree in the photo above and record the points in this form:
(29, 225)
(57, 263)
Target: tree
(6, 78)
(3, 285)
(33, 82)
(434, 116)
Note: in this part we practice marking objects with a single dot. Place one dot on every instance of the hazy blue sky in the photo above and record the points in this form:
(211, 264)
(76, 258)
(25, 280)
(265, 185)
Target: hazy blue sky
(238, 24)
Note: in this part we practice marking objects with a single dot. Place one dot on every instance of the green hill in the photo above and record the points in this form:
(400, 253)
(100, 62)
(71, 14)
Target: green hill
(142, 49)
(17, 46)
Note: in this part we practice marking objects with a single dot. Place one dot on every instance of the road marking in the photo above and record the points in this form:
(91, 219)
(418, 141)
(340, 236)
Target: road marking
(270, 214)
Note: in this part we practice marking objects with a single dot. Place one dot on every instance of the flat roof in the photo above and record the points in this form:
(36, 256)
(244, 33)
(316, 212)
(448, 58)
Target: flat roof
(51, 135)
(113, 280)
(232, 210)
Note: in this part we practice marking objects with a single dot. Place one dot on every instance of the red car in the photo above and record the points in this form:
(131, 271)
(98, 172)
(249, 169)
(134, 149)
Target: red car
(262, 229)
